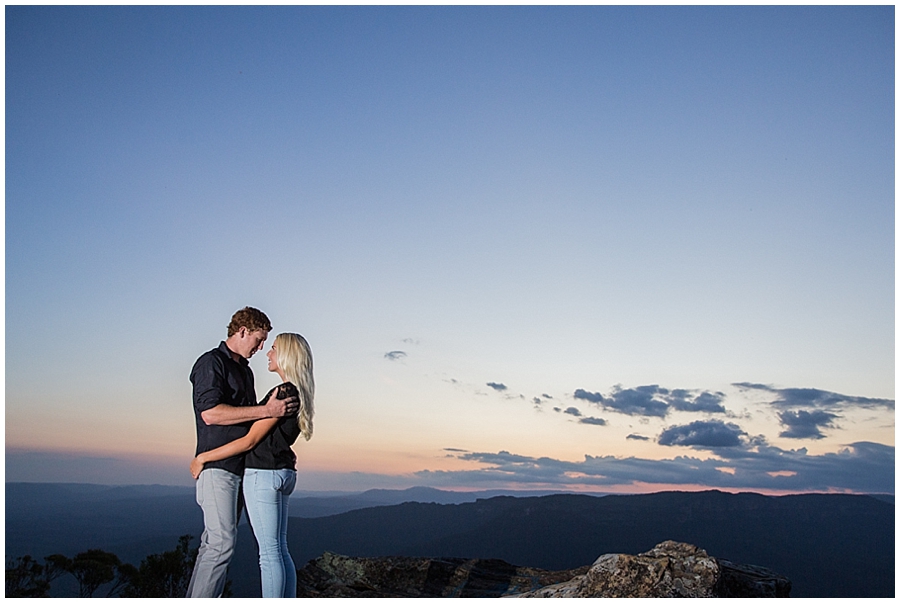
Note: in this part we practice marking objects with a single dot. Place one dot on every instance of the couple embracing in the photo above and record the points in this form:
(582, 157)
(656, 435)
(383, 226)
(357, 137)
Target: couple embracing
(244, 454)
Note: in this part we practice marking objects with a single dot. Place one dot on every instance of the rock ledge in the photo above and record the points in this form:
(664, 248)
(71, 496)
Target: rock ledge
(670, 569)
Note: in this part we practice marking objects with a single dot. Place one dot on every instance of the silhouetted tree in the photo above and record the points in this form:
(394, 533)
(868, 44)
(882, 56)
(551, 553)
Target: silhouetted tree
(25, 578)
(56, 566)
(94, 568)
(164, 574)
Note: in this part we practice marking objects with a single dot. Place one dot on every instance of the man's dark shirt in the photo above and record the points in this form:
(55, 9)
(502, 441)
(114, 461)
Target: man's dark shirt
(219, 379)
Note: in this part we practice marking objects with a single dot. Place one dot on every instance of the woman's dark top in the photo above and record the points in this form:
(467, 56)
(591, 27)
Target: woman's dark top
(274, 451)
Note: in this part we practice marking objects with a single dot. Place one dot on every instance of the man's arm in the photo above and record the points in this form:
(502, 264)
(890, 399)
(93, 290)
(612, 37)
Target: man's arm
(226, 414)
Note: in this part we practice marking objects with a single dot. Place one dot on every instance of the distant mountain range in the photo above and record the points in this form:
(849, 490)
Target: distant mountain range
(135, 521)
(306, 505)
(829, 545)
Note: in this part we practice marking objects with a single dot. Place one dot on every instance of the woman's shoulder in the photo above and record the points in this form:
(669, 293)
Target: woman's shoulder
(286, 390)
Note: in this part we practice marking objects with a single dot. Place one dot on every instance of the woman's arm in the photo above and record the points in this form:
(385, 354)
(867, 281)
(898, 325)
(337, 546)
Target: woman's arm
(258, 431)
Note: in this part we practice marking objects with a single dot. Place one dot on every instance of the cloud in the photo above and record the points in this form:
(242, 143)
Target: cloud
(636, 401)
(711, 402)
(815, 398)
(572, 411)
(859, 467)
(497, 386)
(581, 394)
(805, 424)
(634, 436)
(703, 434)
(655, 401)
(395, 355)
(592, 421)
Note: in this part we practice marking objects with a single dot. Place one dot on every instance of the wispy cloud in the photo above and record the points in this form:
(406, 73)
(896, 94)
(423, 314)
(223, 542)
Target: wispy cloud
(805, 424)
(860, 467)
(395, 355)
(815, 398)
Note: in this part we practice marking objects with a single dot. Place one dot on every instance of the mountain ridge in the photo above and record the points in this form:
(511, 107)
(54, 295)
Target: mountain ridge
(827, 544)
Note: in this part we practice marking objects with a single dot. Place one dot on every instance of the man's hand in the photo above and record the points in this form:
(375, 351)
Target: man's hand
(277, 408)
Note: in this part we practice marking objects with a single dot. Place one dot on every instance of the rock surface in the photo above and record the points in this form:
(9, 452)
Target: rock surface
(670, 569)
(334, 575)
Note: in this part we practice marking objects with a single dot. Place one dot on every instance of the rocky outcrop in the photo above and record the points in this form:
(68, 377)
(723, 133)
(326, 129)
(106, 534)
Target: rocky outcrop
(338, 576)
(670, 569)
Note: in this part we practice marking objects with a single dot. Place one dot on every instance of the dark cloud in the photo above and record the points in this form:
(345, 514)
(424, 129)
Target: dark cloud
(592, 421)
(497, 386)
(860, 467)
(581, 394)
(711, 402)
(703, 434)
(815, 398)
(644, 401)
(805, 424)
(572, 411)
(634, 436)
(395, 355)
(548, 396)
(655, 401)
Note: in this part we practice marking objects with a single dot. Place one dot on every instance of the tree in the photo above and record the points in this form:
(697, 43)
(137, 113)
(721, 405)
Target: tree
(25, 577)
(94, 568)
(164, 574)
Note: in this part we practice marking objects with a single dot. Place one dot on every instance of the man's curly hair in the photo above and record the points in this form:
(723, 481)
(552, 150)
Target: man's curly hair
(251, 318)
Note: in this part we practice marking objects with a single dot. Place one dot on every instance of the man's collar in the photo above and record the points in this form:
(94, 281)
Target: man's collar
(223, 347)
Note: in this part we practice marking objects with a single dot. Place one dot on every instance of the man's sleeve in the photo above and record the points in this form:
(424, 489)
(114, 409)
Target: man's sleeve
(209, 382)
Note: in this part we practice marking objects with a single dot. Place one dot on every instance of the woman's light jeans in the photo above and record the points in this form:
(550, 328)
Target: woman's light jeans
(266, 493)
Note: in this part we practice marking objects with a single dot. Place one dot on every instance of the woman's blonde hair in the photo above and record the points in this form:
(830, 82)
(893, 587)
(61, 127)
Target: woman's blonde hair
(295, 359)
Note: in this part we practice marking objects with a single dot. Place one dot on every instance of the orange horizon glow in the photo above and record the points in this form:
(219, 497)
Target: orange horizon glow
(179, 461)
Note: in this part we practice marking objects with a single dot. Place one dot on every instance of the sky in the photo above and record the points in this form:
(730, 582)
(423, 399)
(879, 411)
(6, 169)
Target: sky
(593, 248)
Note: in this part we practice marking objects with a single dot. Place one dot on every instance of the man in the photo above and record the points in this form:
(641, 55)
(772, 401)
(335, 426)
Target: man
(224, 407)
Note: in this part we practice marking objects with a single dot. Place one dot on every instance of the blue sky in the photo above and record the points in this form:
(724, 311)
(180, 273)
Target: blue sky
(623, 248)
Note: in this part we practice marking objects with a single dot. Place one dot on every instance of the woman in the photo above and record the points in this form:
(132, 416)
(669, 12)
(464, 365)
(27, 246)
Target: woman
(269, 466)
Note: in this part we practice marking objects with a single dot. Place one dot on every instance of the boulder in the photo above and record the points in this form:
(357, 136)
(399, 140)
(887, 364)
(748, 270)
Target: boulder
(670, 569)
